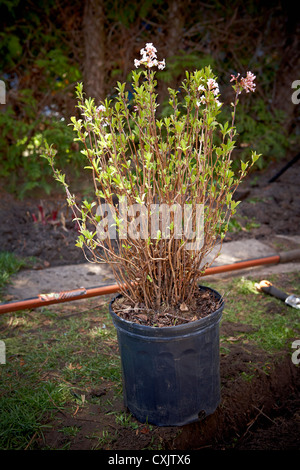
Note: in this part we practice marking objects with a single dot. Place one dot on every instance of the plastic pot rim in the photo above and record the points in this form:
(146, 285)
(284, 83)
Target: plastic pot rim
(169, 331)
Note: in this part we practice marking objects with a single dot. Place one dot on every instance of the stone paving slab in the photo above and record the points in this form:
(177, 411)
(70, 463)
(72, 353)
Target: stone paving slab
(30, 283)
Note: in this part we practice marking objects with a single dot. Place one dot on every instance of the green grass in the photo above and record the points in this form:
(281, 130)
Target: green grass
(49, 357)
(274, 323)
(56, 356)
(52, 362)
(23, 412)
(237, 224)
(10, 264)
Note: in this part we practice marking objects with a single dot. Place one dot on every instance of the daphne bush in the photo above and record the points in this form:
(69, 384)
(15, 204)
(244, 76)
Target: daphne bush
(172, 175)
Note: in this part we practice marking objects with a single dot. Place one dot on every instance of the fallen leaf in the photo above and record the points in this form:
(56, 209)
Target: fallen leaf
(145, 430)
(231, 339)
(142, 317)
(76, 366)
(183, 307)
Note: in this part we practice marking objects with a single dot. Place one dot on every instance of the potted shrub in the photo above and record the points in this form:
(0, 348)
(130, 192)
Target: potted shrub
(162, 200)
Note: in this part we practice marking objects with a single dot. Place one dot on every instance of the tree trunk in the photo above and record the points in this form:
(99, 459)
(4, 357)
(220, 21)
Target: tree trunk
(288, 68)
(176, 19)
(94, 49)
(175, 26)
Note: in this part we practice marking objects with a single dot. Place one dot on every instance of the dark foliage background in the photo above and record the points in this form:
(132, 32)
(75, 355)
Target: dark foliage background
(46, 47)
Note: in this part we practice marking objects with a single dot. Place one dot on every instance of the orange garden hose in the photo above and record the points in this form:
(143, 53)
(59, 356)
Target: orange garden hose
(67, 296)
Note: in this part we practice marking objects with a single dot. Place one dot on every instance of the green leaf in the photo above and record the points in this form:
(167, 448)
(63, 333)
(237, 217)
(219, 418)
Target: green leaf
(14, 46)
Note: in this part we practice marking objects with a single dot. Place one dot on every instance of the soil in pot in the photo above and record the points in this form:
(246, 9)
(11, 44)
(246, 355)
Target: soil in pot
(203, 303)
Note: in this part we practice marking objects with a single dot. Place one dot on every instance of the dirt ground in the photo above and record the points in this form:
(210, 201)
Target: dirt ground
(43, 227)
(259, 414)
(262, 414)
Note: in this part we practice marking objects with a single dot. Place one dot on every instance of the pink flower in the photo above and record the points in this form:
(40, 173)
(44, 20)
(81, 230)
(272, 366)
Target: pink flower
(202, 100)
(213, 86)
(233, 77)
(151, 50)
(162, 64)
(149, 58)
(100, 108)
(248, 82)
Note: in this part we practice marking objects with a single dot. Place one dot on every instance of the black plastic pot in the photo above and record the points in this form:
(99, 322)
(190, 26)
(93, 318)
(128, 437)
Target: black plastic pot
(171, 375)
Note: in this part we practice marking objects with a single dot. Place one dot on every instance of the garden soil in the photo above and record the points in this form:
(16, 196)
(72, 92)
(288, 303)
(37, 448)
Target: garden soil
(42, 226)
(261, 414)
